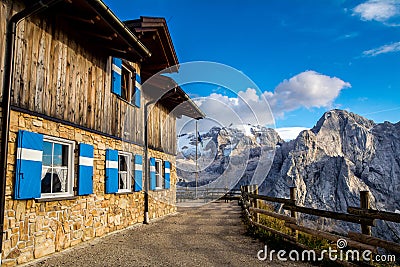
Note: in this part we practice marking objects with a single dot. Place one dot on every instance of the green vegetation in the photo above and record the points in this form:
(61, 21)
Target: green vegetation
(304, 241)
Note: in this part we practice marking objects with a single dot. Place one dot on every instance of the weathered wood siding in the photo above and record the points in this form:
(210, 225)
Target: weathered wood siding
(7, 8)
(162, 129)
(58, 75)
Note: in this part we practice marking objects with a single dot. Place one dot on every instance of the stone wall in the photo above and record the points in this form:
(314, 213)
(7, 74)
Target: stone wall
(34, 229)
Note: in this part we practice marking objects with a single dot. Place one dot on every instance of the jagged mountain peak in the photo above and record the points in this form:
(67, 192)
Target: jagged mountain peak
(337, 119)
(329, 164)
(224, 149)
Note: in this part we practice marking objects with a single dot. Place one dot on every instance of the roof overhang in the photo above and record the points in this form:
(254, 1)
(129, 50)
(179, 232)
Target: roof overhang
(172, 96)
(154, 34)
(94, 23)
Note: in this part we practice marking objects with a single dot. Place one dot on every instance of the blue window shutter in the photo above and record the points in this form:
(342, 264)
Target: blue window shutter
(111, 171)
(138, 88)
(116, 69)
(85, 182)
(28, 173)
(167, 174)
(138, 173)
(152, 173)
(137, 97)
(138, 79)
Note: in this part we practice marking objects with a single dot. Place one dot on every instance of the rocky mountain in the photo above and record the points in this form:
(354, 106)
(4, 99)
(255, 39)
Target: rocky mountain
(329, 164)
(227, 157)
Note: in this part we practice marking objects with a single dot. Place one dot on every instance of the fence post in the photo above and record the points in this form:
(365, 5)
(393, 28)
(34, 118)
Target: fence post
(244, 193)
(255, 202)
(293, 213)
(364, 204)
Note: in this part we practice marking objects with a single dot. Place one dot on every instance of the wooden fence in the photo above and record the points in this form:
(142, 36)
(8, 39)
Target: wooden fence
(363, 215)
(206, 194)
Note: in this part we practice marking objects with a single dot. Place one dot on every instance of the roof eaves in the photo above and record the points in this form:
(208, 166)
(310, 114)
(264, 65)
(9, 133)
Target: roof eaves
(104, 11)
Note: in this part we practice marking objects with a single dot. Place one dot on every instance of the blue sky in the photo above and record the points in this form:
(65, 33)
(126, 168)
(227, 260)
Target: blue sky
(291, 49)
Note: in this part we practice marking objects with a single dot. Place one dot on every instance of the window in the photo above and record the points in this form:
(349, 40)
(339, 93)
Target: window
(159, 175)
(57, 167)
(124, 172)
(126, 82)
(45, 167)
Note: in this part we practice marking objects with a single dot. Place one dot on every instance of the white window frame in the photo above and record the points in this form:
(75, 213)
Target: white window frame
(159, 175)
(71, 164)
(128, 172)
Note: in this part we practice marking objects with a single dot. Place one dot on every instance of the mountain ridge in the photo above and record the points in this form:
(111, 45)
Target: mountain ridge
(341, 155)
(329, 164)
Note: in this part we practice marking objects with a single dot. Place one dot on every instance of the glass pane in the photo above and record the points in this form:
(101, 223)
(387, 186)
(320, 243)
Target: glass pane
(158, 182)
(57, 157)
(123, 164)
(158, 167)
(125, 84)
(60, 180)
(47, 149)
(46, 179)
(54, 180)
(65, 150)
(60, 155)
(123, 181)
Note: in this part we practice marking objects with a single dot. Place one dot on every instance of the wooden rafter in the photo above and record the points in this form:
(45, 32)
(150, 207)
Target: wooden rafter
(84, 20)
(101, 36)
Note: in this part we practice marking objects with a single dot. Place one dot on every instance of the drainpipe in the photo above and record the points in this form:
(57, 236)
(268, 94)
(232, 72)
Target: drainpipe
(146, 159)
(146, 163)
(6, 102)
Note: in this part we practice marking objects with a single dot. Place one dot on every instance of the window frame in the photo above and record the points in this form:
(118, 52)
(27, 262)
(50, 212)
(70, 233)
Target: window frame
(131, 90)
(71, 167)
(128, 172)
(160, 179)
(126, 68)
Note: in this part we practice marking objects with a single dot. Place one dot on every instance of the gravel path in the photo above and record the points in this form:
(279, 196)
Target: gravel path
(212, 235)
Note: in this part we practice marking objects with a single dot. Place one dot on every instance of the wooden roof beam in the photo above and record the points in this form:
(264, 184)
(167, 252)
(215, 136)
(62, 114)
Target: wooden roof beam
(139, 29)
(101, 36)
(156, 67)
(88, 21)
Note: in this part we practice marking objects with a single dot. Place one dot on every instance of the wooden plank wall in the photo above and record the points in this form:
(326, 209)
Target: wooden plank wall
(56, 75)
(7, 9)
(162, 129)
(61, 77)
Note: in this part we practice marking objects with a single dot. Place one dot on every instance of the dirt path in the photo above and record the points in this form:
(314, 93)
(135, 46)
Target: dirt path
(212, 235)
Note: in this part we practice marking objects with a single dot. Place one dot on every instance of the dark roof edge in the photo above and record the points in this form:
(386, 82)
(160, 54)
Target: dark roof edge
(194, 105)
(99, 6)
(168, 35)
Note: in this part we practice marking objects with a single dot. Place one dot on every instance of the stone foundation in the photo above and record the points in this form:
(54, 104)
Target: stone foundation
(34, 229)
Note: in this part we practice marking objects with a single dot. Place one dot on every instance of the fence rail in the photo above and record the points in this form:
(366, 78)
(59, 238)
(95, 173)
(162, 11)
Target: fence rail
(206, 194)
(363, 215)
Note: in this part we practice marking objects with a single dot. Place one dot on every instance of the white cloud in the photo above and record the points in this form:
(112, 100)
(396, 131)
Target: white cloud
(290, 133)
(378, 10)
(308, 89)
(247, 107)
(389, 48)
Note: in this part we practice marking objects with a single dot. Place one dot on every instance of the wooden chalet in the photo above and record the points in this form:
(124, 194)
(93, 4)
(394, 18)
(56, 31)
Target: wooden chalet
(78, 163)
